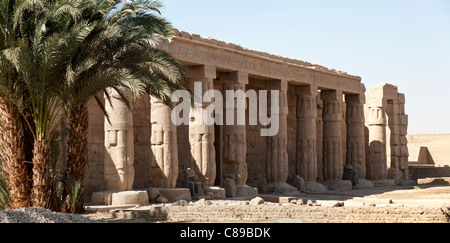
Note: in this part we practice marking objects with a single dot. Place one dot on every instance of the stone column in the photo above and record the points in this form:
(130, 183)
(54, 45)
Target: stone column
(164, 171)
(333, 166)
(201, 135)
(319, 130)
(404, 157)
(235, 135)
(306, 165)
(277, 156)
(356, 155)
(377, 162)
(119, 144)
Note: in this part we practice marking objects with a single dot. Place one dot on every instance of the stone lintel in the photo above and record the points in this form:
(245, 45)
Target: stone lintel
(355, 98)
(331, 95)
(373, 101)
(306, 90)
(281, 85)
(201, 71)
(234, 77)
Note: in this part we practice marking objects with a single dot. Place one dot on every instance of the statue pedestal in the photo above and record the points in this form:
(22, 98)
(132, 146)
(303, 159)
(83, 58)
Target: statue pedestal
(115, 198)
(338, 184)
(175, 194)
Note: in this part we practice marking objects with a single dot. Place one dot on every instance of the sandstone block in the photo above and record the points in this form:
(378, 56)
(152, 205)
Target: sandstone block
(246, 191)
(314, 187)
(153, 193)
(217, 192)
(102, 198)
(256, 201)
(338, 184)
(384, 183)
(363, 183)
(175, 194)
(130, 197)
(230, 187)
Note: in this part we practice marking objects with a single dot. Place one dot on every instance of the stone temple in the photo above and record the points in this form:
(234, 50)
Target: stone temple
(329, 124)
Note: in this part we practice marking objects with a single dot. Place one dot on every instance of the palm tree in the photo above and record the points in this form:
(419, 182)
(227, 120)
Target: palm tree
(42, 61)
(56, 55)
(15, 169)
(121, 41)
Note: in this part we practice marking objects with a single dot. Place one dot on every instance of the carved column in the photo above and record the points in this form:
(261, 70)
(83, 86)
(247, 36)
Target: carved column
(355, 133)
(377, 166)
(333, 166)
(235, 135)
(201, 135)
(306, 165)
(119, 144)
(277, 156)
(164, 171)
(319, 131)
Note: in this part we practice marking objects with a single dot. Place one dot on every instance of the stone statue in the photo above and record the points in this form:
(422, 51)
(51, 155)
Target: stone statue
(119, 144)
(164, 146)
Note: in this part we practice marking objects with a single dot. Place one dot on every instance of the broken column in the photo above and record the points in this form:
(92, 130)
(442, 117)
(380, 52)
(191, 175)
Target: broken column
(355, 133)
(119, 143)
(164, 171)
(404, 152)
(235, 134)
(201, 135)
(277, 156)
(377, 163)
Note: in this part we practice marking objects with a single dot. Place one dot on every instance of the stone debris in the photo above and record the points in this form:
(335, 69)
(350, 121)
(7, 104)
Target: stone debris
(40, 215)
(257, 201)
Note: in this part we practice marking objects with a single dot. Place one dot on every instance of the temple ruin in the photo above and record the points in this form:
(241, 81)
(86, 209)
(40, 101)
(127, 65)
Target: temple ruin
(326, 122)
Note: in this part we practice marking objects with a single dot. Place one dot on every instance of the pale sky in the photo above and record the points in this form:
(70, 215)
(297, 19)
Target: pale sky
(402, 42)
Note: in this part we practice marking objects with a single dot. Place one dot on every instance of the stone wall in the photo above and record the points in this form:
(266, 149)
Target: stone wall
(437, 145)
(420, 172)
(306, 214)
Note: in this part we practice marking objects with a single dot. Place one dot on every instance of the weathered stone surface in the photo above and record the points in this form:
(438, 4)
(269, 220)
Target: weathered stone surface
(314, 187)
(130, 197)
(246, 191)
(257, 201)
(119, 143)
(384, 183)
(441, 181)
(175, 194)
(230, 187)
(164, 145)
(153, 193)
(161, 199)
(362, 183)
(217, 192)
(102, 198)
(338, 185)
(299, 183)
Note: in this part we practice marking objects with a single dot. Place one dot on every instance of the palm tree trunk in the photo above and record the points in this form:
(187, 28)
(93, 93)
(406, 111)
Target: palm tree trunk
(77, 148)
(12, 155)
(42, 175)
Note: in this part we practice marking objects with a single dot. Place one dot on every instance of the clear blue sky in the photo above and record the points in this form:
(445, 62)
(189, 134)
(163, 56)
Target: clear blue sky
(402, 42)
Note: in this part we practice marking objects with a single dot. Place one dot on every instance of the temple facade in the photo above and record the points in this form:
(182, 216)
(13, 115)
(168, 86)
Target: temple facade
(327, 122)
